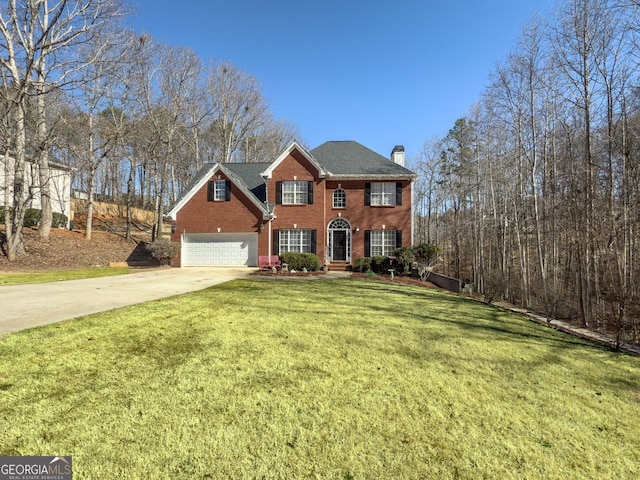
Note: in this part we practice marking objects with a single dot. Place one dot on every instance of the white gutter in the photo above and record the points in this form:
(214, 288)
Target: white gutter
(270, 240)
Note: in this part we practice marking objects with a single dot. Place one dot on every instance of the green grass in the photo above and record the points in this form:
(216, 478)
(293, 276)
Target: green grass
(319, 379)
(60, 275)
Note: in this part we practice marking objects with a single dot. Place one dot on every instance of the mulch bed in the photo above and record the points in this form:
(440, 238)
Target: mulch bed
(396, 279)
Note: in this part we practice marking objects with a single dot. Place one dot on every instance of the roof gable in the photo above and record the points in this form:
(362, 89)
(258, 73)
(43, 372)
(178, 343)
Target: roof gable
(351, 159)
(268, 172)
(249, 188)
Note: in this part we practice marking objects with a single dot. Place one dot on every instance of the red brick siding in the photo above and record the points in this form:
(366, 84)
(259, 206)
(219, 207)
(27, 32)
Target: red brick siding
(201, 216)
(241, 215)
(367, 217)
(312, 217)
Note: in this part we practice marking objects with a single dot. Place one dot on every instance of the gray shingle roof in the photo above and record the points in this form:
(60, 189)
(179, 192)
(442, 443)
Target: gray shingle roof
(338, 158)
(249, 175)
(349, 158)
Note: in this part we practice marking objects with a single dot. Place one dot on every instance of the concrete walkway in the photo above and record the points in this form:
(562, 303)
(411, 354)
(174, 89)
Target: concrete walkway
(27, 306)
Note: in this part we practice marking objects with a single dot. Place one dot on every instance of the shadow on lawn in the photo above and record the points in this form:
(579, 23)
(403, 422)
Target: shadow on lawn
(491, 321)
(476, 321)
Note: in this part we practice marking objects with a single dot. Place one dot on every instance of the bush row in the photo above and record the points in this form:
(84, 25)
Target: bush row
(377, 264)
(33, 216)
(402, 261)
(298, 261)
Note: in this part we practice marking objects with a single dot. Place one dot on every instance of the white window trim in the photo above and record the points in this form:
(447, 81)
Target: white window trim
(341, 195)
(295, 240)
(383, 194)
(217, 191)
(299, 189)
(382, 243)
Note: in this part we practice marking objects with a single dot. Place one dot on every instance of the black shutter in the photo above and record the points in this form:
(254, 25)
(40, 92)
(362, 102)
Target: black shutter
(398, 238)
(278, 193)
(367, 243)
(310, 193)
(276, 243)
(227, 190)
(398, 193)
(314, 241)
(211, 186)
(367, 195)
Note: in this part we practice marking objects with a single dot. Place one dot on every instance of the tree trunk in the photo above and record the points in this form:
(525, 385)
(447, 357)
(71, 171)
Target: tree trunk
(91, 180)
(43, 157)
(15, 243)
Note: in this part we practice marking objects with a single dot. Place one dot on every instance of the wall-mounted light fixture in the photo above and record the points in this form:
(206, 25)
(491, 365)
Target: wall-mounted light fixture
(384, 226)
(357, 228)
(218, 229)
(174, 227)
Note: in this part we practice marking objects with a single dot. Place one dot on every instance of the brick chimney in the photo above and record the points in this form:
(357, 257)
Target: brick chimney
(397, 155)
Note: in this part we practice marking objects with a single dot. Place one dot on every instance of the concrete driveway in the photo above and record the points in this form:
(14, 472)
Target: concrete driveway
(26, 306)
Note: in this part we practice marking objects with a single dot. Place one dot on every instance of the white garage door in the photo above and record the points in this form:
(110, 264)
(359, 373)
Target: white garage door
(219, 249)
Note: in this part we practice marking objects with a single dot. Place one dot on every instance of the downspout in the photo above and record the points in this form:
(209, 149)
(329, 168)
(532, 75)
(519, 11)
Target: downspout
(182, 235)
(412, 212)
(270, 236)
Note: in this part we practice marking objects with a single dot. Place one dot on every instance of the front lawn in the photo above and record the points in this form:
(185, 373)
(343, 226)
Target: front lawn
(331, 379)
(60, 275)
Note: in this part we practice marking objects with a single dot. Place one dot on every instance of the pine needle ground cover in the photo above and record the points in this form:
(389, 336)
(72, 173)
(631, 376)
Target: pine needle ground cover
(320, 379)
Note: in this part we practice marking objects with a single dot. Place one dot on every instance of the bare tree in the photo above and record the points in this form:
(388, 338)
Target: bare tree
(547, 198)
(238, 108)
(164, 84)
(39, 38)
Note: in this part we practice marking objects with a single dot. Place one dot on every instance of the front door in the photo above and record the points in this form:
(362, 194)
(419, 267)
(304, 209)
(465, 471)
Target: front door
(339, 253)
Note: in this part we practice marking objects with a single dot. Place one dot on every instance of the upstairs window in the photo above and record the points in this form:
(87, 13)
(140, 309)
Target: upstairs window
(339, 198)
(383, 194)
(294, 193)
(219, 191)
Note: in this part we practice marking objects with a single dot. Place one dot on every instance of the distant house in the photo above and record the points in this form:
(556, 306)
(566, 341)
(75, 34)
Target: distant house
(340, 201)
(60, 185)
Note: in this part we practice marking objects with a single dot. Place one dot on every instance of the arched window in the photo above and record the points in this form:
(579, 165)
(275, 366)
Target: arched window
(339, 198)
(339, 224)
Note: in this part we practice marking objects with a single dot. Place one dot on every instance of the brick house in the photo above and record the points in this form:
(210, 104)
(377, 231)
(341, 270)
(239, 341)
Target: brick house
(340, 201)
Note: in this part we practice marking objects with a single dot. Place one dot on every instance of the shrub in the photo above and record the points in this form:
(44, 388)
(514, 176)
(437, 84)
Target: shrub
(59, 220)
(426, 254)
(405, 256)
(163, 250)
(298, 261)
(32, 217)
(380, 264)
(362, 264)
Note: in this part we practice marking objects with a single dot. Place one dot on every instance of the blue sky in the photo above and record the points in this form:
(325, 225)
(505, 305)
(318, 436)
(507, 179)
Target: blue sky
(379, 72)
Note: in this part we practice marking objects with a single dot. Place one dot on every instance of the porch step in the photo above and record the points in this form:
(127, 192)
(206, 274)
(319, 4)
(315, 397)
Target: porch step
(339, 267)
